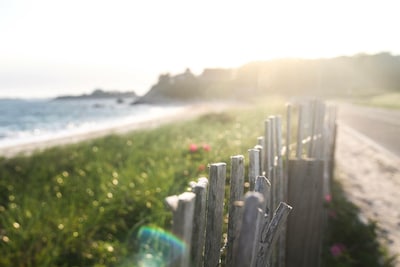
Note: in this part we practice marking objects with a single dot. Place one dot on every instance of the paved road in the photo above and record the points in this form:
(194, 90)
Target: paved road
(380, 125)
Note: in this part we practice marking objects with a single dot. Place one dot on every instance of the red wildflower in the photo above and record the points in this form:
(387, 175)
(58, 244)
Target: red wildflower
(328, 198)
(193, 148)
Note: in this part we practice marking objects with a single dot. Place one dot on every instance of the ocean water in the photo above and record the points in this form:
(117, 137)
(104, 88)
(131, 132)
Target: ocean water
(25, 121)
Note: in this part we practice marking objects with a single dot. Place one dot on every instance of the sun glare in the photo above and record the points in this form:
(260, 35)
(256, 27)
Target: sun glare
(169, 36)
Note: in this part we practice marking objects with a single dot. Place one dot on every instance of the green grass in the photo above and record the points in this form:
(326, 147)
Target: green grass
(83, 204)
(384, 100)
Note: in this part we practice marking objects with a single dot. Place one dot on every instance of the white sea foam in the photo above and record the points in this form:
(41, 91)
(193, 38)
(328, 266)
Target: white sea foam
(28, 121)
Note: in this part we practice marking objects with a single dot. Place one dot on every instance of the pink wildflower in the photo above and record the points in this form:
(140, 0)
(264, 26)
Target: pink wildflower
(328, 198)
(206, 147)
(193, 148)
(337, 249)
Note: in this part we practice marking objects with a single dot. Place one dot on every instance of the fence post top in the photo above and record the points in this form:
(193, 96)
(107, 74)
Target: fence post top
(173, 201)
(186, 196)
(237, 157)
(202, 181)
(217, 164)
(256, 148)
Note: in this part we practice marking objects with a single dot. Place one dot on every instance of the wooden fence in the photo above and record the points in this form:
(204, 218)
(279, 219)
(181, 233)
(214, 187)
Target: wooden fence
(260, 231)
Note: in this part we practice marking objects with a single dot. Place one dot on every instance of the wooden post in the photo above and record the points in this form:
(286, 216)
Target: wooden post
(244, 253)
(312, 129)
(182, 207)
(267, 166)
(332, 143)
(315, 129)
(279, 160)
(254, 166)
(304, 231)
(215, 214)
(282, 188)
(236, 194)
(199, 224)
(273, 173)
(288, 136)
(275, 181)
(320, 115)
(300, 128)
(260, 146)
(260, 140)
(271, 233)
(319, 149)
(263, 186)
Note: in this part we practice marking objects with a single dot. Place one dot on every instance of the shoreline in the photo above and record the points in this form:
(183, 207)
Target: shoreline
(189, 111)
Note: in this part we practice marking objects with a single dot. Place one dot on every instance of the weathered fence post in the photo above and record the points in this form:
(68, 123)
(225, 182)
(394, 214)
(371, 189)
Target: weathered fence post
(215, 214)
(254, 166)
(263, 186)
(304, 224)
(260, 146)
(267, 149)
(300, 134)
(182, 207)
(244, 252)
(271, 232)
(282, 188)
(199, 223)
(330, 149)
(279, 161)
(288, 137)
(275, 182)
(236, 194)
(312, 117)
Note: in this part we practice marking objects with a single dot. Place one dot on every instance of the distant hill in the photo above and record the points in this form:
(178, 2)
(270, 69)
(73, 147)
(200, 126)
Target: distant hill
(340, 76)
(360, 74)
(100, 94)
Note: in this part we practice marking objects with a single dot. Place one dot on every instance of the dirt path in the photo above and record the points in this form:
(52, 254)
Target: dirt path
(381, 125)
(371, 179)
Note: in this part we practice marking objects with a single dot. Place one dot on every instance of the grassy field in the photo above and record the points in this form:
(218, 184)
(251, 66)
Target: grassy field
(384, 100)
(83, 204)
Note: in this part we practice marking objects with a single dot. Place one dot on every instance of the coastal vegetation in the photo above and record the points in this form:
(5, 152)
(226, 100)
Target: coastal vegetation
(346, 76)
(84, 204)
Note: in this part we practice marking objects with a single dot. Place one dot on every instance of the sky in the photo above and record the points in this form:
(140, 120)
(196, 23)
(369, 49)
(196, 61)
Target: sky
(58, 47)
